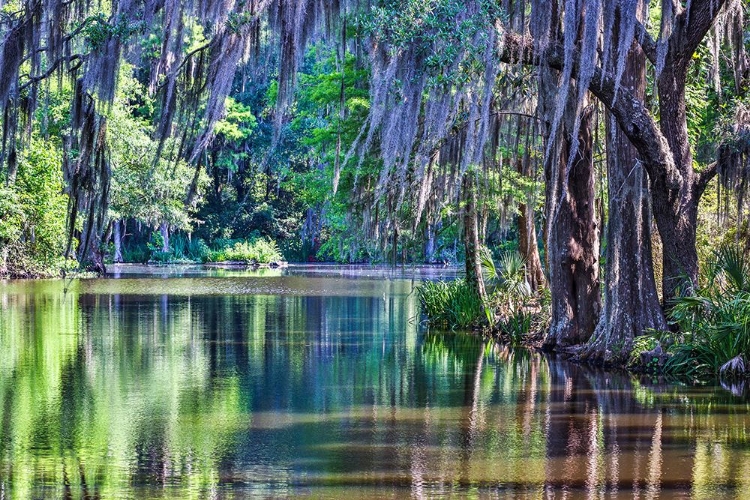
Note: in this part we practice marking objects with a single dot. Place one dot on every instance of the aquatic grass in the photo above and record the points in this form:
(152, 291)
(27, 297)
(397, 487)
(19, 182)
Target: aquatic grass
(450, 303)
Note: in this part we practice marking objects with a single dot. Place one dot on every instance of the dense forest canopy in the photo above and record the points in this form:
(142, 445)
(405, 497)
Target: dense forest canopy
(607, 142)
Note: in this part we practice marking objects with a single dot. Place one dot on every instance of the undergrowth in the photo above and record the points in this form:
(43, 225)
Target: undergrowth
(511, 311)
(713, 324)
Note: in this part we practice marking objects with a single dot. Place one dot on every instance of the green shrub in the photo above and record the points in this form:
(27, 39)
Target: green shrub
(260, 251)
(33, 211)
(517, 326)
(162, 257)
(135, 253)
(184, 248)
(450, 303)
(714, 323)
(716, 326)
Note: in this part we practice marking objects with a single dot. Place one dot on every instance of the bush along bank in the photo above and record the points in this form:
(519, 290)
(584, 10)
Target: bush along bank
(712, 337)
(183, 250)
(711, 328)
(512, 313)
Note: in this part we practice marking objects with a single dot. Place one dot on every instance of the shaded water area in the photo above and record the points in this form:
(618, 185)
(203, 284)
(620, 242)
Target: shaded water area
(319, 382)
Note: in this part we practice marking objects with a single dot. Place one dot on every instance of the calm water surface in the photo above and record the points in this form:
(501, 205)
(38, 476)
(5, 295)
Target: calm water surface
(317, 382)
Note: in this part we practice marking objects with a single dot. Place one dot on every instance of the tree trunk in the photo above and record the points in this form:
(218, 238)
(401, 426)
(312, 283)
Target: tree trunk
(631, 302)
(92, 257)
(527, 246)
(677, 227)
(164, 230)
(664, 148)
(117, 229)
(676, 206)
(527, 241)
(472, 244)
(430, 243)
(573, 240)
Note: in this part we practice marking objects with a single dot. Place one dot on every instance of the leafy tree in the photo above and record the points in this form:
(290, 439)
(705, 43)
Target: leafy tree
(32, 214)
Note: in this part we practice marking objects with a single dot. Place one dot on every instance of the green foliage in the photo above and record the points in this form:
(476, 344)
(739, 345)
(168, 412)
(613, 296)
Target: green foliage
(33, 212)
(189, 249)
(516, 312)
(426, 25)
(729, 270)
(714, 324)
(517, 326)
(454, 304)
(98, 29)
(512, 277)
(260, 251)
(155, 245)
(136, 253)
(508, 281)
(146, 188)
(717, 329)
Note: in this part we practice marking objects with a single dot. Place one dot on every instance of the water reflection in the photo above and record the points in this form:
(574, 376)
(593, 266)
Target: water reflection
(137, 388)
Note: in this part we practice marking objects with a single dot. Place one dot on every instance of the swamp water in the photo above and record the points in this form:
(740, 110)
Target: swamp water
(318, 382)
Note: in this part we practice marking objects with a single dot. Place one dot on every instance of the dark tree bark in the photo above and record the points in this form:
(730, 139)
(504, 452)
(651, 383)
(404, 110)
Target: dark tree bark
(676, 187)
(573, 239)
(572, 236)
(574, 245)
(472, 244)
(631, 303)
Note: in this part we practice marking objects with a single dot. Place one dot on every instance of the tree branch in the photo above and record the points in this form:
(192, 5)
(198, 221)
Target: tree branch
(704, 177)
(647, 43)
(692, 26)
(52, 69)
(631, 114)
(184, 61)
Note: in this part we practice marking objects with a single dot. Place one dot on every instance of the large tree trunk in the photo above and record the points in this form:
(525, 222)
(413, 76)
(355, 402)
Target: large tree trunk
(675, 186)
(631, 303)
(573, 240)
(676, 206)
(472, 243)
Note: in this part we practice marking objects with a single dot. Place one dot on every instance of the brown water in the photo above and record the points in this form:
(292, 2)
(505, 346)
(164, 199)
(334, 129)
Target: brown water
(318, 382)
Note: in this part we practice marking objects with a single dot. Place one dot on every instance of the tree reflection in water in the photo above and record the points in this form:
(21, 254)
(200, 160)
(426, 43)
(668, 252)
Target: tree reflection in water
(163, 394)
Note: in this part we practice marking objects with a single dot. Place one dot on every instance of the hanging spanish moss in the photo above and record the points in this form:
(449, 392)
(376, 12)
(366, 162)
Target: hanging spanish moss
(416, 105)
(77, 44)
(733, 163)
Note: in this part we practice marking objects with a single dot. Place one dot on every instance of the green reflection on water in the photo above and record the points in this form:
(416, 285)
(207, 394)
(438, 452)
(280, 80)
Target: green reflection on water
(166, 388)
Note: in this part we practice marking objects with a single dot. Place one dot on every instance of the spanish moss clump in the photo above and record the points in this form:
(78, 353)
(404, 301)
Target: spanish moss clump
(733, 162)
(429, 111)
